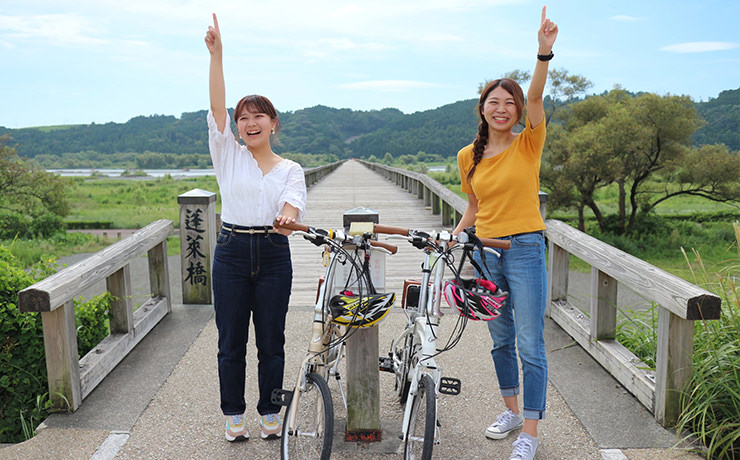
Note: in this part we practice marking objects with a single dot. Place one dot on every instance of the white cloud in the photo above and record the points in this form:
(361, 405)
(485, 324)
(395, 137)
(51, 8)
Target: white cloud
(626, 18)
(389, 85)
(700, 47)
(54, 29)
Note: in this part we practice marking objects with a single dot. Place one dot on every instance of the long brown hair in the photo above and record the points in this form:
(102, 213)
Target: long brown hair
(481, 139)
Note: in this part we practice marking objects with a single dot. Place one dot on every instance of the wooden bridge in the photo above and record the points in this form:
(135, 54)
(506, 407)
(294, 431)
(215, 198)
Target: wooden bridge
(417, 202)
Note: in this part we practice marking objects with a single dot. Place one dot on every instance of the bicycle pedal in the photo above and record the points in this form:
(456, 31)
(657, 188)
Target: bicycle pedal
(281, 397)
(385, 364)
(450, 386)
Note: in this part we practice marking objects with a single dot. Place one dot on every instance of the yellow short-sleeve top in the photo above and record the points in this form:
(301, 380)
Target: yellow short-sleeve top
(507, 185)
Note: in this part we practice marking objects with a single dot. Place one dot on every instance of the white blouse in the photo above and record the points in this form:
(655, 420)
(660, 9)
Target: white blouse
(249, 198)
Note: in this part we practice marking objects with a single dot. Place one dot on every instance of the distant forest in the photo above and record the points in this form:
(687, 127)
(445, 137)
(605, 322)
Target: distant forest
(160, 141)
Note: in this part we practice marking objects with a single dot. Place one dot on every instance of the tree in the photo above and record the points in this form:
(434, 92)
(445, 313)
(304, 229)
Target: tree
(25, 189)
(641, 144)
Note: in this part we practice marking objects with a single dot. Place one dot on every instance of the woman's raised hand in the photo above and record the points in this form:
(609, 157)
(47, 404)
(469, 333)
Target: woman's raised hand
(547, 33)
(213, 37)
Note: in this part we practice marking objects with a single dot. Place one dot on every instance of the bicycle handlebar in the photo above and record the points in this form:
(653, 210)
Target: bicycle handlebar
(332, 234)
(390, 230)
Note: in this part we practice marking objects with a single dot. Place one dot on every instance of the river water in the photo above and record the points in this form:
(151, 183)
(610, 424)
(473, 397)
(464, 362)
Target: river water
(151, 173)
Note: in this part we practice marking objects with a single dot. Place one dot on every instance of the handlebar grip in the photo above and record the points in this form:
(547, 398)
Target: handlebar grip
(389, 230)
(495, 243)
(392, 248)
(293, 226)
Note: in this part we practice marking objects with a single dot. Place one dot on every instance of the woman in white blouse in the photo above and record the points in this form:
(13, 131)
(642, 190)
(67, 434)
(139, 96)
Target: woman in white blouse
(252, 272)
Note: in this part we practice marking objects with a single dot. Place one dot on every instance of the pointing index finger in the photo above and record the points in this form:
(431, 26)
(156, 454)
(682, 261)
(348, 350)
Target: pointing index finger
(215, 23)
(544, 14)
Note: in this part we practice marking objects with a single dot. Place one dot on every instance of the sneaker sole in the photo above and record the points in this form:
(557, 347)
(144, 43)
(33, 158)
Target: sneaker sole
(269, 436)
(493, 435)
(234, 438)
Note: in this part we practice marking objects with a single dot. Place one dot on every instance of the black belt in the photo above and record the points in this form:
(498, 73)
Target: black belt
(248, 230)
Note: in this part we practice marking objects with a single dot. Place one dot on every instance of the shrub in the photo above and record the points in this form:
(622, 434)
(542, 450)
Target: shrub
(23, 381)
(16, 225)
(92, 320)
(22, 363)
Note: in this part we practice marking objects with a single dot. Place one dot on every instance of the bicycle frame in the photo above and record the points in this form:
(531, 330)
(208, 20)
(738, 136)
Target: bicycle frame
(308, 426)
(419, 379)
(424, 324)
(323, 355)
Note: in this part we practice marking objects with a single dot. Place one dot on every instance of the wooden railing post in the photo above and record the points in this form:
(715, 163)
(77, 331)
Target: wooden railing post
(62, 365)
(159, 273)
(603, 305)
(673, 364)
(197, 243)
(363, 374)
(121, 309)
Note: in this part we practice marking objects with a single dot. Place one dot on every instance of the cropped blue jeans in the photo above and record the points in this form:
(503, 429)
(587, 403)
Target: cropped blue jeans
(252, 276)
(522, 272)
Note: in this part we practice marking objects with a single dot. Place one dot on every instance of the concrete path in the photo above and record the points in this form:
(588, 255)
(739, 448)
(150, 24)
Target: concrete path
(161, 402)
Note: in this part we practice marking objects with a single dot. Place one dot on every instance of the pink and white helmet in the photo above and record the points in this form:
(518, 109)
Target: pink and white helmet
(477, 299)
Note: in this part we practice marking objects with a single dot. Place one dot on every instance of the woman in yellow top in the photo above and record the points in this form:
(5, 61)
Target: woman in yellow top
(500, 174)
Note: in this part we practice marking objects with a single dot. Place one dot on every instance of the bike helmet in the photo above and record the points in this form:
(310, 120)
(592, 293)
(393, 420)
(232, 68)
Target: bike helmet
(477, 299)
(360, 311)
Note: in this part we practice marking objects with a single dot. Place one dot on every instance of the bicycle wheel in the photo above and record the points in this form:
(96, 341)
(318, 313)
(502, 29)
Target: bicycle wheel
(314, 423)
(402, 374)
(422, 423)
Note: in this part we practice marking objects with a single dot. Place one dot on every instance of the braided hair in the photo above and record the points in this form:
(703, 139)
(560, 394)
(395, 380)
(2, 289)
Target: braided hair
(481, 139)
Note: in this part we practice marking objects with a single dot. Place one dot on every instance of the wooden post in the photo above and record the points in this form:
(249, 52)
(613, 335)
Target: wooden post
(436, 207)
(159, 273)
(557, 275)
(363, 375)
(673, 365)
(121, 309)
(197, 243)
(603, 305)
(62, 365)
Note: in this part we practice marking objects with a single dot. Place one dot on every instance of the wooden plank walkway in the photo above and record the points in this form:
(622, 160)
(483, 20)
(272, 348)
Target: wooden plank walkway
(182, 420)
(349, 187)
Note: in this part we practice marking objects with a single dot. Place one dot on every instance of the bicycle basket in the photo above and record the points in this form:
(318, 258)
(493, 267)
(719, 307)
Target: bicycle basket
(477, 299)
(355, 311)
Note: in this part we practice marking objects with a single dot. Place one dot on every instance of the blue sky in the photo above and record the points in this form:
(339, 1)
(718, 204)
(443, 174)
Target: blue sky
(72, 62)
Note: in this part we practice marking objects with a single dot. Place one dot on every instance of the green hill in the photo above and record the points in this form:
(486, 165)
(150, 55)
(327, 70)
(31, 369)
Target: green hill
(144, 140)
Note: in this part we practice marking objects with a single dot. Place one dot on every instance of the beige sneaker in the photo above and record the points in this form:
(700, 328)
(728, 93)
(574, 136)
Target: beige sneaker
(271, 425)
(236, 427)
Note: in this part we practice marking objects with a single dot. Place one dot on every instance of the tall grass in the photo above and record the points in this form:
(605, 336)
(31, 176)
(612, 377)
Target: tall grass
(711, 400)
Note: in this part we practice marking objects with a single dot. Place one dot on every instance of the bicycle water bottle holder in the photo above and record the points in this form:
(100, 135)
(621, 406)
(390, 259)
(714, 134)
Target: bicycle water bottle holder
(281, 397)
(450, 386)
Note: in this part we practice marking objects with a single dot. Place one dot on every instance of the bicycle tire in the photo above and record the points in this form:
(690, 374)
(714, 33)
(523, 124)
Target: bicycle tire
(402, 375)
(422, 422)
(314, 432)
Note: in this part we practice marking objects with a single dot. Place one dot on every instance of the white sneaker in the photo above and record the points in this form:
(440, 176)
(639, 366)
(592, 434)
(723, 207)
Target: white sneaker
(271, 426)
(525, 447)
(505, 424)
(236, 427)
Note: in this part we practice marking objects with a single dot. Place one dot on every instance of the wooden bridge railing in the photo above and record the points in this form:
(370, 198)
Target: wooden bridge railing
(680, 302)
(443, 201)
(72, 379)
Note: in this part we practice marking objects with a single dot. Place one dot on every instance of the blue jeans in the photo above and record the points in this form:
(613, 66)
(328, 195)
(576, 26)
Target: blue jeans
(252, 276)
(522, 272)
